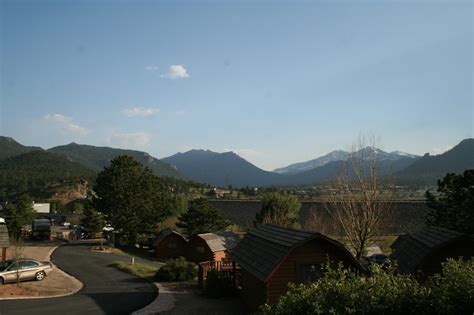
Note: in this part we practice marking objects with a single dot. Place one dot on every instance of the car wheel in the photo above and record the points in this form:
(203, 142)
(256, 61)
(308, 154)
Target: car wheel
(40, 275)
(2, 281)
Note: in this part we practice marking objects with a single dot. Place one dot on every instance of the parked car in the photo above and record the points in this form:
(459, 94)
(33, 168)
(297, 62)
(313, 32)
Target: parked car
(24, 269)
(379, 259)
(146, 240)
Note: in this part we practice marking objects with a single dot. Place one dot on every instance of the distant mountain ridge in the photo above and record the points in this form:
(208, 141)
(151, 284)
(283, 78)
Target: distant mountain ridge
(341, 155)
(9, 147)
(336, 155)
(430, 168)
(220, 169)
(96, 158)
(91, 157)
(224, 169)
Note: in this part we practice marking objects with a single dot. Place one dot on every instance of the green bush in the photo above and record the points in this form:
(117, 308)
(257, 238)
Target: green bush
(177, 270)
(342, 291)
(453, 290)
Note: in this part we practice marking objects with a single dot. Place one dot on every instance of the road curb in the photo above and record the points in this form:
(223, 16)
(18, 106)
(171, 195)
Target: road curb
(164, 301)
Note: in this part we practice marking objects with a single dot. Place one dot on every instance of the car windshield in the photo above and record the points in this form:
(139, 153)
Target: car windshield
(4, 265)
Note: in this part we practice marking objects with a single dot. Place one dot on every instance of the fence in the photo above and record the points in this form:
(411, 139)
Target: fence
(223, 271)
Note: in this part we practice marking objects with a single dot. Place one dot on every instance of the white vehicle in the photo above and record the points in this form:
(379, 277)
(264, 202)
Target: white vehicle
(2, 221)
(108, 228)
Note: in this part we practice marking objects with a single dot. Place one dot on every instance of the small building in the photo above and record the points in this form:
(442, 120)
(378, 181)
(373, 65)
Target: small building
(422, 253)
(211, 246)
(169, 244)
(41, 207)
(271, 256)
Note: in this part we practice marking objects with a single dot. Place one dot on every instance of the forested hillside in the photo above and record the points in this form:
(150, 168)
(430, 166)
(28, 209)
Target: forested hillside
(36, 172)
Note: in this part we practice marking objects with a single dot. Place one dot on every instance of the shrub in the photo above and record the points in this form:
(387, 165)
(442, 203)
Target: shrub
(452, 292)
(177, 270)
(342, 291)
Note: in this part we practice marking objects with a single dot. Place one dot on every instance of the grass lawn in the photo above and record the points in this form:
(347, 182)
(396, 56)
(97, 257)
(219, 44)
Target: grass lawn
(138, 269)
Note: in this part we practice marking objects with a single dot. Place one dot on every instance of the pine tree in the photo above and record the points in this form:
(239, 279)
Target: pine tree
(201, 217)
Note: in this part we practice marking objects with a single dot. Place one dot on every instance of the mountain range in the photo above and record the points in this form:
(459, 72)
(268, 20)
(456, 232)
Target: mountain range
(224, 169)
(339, 155)
(221, 169)
(96, 158)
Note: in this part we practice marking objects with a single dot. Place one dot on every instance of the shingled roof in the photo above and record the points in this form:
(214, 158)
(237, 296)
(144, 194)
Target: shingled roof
(4, 239)
(264, 248)
(220, 241)
(410, 250)
(163, 234)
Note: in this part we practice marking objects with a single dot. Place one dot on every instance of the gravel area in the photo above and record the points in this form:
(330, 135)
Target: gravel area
(57, 283)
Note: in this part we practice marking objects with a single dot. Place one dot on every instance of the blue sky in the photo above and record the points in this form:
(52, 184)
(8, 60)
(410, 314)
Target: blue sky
(278, 82)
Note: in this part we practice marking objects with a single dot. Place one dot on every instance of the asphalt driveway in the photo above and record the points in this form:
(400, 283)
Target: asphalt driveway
(106, 290)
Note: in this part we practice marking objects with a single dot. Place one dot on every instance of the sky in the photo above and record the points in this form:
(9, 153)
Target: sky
(277, 82)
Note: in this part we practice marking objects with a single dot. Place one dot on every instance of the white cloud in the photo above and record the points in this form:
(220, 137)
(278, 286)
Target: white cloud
(180, 113)
(152, 68)
(176, 72)
(57, 117)
(74, 128)
(140, 111)
(440, 150)
(137, 140)
(67, 124)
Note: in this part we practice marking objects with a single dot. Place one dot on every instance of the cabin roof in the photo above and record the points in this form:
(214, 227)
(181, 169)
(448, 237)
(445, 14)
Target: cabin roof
(264, 248)
(165, 233)
(410, 250)
(4, 239)
(220, 241)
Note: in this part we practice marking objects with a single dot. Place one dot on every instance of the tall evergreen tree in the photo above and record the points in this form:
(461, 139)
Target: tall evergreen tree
(19, 215)
(453, 208)
(201, 217)
(93, 221)
(130, 196)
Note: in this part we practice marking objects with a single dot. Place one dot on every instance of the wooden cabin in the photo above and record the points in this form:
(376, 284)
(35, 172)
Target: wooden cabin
(271, 256)
(169, 244)
(422, 253)
(4, 241)
(211, 246)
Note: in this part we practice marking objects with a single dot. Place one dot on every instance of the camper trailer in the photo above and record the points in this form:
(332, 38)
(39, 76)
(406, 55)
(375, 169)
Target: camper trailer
(41, 229)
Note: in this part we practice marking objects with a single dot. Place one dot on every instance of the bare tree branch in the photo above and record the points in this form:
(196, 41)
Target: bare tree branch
(364, 194)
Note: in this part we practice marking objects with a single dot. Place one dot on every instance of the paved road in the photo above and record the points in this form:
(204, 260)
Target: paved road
(106, 290)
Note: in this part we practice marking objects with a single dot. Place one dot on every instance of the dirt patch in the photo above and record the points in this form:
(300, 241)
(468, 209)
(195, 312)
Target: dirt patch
(57, 283)
(104, 249)
(13, 290)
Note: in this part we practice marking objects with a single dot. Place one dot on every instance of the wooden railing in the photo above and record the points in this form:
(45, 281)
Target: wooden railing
(224, 270)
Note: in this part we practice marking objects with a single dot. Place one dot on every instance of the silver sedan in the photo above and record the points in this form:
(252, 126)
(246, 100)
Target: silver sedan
(24, 269)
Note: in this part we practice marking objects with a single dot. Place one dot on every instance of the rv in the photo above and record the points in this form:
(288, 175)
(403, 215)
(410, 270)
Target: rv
(41, 229)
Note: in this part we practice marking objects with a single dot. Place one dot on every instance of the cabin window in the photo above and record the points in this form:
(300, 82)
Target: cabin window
(200, 249)
(309, 272)
(172, 244)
